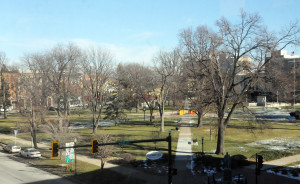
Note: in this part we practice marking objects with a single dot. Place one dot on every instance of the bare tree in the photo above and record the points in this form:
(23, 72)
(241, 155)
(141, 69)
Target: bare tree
(166, 66)
(248, 38)
(60, 68)
(229, 71)
(278, 81)
(146, 80)
(33, 84)
(97, 67)
(197, 49)
(138, 79)
(47, 74)
(127, 77)
(60, 135)
(105, 152)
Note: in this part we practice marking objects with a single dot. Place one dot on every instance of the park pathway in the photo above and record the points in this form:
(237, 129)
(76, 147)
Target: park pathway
(282, 161)
(183, 159)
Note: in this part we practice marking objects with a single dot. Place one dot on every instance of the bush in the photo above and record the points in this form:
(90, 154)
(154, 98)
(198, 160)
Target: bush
(5, 130)
(239, 161)
(207, 160)
(127, 157)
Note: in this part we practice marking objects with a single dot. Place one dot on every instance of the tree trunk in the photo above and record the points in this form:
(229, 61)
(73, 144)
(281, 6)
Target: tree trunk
(4, 101)
(221, 138)
(162, 116)
(33, 127)
(151, 114)
(102, 164)
(99, 117)
(94, 119)
(34, 140)
(137, 106)
(59, 116)
(199, 124)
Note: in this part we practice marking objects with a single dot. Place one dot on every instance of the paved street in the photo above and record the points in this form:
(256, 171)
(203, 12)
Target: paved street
(13, 172)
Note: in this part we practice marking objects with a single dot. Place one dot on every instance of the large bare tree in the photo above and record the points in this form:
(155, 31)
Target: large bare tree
(97, 68)
(197, 49)
(235, 61)
(34, 91)
(60, 69)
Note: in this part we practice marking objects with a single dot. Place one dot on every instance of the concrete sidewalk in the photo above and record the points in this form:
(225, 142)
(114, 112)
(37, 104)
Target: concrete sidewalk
(281, 162)
(184, 153)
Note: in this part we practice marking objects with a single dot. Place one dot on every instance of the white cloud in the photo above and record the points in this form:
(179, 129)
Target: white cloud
(122, 53)
(128, 53)
(141, 53)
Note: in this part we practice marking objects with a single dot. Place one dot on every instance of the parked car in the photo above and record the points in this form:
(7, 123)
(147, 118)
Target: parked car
(30, 152)
(12, 148)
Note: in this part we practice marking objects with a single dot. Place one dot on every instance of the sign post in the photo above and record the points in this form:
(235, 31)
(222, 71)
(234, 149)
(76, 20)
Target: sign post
(67, 153)
(16, 132)
(71, 157)
(71, 144)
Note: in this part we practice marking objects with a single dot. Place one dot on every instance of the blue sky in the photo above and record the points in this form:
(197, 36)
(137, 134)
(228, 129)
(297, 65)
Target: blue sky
(133, 30)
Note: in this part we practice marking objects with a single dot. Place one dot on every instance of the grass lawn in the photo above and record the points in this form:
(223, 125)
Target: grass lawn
(128, 132)
(238, 135)
(134, 129)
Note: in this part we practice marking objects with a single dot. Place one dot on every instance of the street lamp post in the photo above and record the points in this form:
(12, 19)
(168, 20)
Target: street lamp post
(202, 143)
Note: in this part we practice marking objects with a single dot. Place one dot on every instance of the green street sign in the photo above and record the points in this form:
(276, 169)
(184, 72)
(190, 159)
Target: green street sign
(67, 159)
(72, 156)
(124, 142)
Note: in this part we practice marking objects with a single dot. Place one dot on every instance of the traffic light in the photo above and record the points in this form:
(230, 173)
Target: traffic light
(94, 146)
(260, 160)
(55, 148)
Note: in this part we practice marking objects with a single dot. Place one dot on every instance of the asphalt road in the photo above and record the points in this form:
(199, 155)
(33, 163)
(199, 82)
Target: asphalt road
(13, 172)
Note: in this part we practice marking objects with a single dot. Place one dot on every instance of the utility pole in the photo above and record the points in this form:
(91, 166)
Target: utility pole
(170, 158)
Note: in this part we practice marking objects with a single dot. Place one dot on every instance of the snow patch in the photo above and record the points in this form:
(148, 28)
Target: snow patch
(278, 144)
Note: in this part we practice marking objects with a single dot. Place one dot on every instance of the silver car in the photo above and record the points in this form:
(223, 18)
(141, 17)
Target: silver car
(12, 148)
(30, 152)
